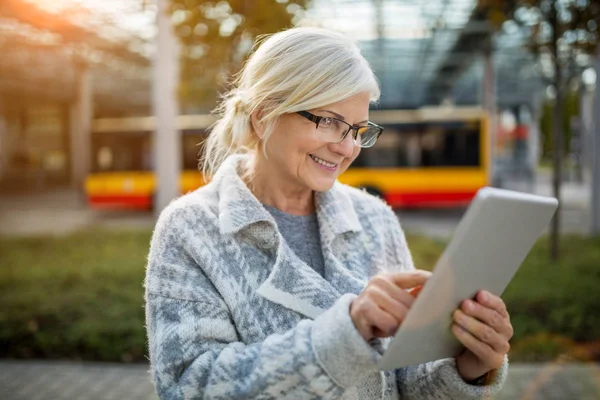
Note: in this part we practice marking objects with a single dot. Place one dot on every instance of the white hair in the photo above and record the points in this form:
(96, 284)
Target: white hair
(293, 70)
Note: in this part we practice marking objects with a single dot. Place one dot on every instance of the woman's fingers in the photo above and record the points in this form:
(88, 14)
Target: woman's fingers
(380, 308)
(407, 280)
(389, 304)
(384, 324)
(386, 282)
(489, 316)
(370, 317)
(482, 350)
(492, 301)
(482, 332)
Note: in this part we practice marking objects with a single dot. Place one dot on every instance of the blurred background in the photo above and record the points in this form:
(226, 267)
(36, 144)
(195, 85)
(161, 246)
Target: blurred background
(102, 100)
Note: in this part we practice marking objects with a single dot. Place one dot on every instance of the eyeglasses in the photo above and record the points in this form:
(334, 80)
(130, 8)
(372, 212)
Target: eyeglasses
(335, 130)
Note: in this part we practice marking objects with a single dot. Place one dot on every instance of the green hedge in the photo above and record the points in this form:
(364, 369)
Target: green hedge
(81, 296)
(557, 304)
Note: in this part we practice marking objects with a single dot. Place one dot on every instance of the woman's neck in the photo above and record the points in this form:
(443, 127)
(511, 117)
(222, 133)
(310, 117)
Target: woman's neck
(283, 194)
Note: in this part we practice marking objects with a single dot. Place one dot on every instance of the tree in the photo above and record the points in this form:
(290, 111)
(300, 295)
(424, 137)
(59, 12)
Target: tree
(563, 34)
(217, 37)
(570, 111)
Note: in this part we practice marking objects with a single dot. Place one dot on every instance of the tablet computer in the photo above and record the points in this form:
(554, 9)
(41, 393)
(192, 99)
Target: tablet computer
(490, 243)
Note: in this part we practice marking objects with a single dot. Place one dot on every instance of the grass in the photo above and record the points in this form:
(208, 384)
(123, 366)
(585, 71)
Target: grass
(81, 296)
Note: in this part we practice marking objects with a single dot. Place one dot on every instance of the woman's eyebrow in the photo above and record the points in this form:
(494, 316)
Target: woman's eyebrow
(338, 116)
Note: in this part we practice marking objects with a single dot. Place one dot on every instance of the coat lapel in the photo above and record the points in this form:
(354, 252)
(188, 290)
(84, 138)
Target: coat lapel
(291, 282)
(295, 285)
(337, 217)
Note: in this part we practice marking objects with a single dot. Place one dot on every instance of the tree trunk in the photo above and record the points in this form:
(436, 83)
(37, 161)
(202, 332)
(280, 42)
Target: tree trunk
(557, 135)
(557, 170)
(595, 156)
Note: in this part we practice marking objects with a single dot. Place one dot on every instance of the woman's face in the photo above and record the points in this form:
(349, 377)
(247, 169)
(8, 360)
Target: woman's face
(296, 154)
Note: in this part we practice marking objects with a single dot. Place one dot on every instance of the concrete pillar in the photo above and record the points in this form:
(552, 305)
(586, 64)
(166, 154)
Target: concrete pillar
(167, 143)
(80, 121)
(489, 104)
(65, 127)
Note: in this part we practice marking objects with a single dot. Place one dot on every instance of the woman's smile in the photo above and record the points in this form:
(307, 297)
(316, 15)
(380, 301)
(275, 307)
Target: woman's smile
(324, 164)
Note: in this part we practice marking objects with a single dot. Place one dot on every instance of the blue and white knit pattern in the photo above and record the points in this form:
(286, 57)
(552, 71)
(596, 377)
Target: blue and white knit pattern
(233, 313)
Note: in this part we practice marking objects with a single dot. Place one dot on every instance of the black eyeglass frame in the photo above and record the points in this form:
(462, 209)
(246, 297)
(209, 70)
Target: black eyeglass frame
(317, 119)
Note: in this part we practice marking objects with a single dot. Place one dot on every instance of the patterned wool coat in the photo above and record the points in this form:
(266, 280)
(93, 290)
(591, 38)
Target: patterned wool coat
(233, 313)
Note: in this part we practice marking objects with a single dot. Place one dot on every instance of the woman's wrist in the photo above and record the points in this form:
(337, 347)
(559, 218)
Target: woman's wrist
(479, 381)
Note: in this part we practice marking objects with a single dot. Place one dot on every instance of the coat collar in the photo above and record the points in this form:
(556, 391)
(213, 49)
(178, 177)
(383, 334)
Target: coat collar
(238, 208)
(291, 283)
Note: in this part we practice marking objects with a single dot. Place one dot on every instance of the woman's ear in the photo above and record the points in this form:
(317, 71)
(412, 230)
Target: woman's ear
(257, 126)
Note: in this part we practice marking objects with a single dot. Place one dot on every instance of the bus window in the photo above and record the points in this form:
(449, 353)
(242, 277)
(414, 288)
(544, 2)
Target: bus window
(424, 145)
(120, 152)
(105, 158)
(451, 145)
(383, 154)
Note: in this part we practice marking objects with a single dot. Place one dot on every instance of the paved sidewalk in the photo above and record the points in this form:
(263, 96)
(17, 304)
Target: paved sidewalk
(62, 212)
(36, 380)
(41, 380)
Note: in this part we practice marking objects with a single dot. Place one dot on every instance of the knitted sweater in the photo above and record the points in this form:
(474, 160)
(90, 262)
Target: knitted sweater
(233, 313)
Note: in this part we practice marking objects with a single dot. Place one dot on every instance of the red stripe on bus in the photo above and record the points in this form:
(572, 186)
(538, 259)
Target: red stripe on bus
(121, 201)
(425, 199)
(395, 199)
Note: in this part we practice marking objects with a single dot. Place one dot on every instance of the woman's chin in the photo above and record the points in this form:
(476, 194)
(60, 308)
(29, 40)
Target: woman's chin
(322, 185)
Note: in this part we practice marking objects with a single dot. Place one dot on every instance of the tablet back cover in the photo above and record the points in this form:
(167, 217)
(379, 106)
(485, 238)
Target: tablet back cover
(490, 243)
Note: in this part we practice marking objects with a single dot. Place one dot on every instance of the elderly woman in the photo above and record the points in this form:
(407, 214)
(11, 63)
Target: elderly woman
(276, 281)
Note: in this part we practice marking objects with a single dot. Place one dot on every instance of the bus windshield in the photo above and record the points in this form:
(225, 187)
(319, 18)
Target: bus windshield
(425, 145)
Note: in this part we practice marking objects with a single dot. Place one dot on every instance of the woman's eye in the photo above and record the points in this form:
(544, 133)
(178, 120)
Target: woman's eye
(326, 122)
(337, 124)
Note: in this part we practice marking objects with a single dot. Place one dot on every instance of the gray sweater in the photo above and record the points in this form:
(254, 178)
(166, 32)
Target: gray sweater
(301, 232)
(233, 313)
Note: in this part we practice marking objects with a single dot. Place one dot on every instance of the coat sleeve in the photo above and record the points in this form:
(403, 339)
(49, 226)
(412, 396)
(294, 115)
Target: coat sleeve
(195, 351)
(436, 380)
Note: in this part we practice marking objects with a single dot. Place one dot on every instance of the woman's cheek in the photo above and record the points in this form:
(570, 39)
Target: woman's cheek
(354, 155)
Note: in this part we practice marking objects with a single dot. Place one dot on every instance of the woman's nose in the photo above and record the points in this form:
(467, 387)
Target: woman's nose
(345, 147)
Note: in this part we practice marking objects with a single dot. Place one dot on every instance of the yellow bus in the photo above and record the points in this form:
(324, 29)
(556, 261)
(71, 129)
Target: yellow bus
(429, 157)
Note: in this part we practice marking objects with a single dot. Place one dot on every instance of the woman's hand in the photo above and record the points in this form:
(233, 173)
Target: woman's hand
(380, 309)
(483, 326)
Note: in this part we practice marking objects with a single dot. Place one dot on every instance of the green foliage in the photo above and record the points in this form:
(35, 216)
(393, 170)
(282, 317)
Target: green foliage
(546, 347)
(425, 251)
(217, 37)
(81, 296)
(560, 298)
(574, 22)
